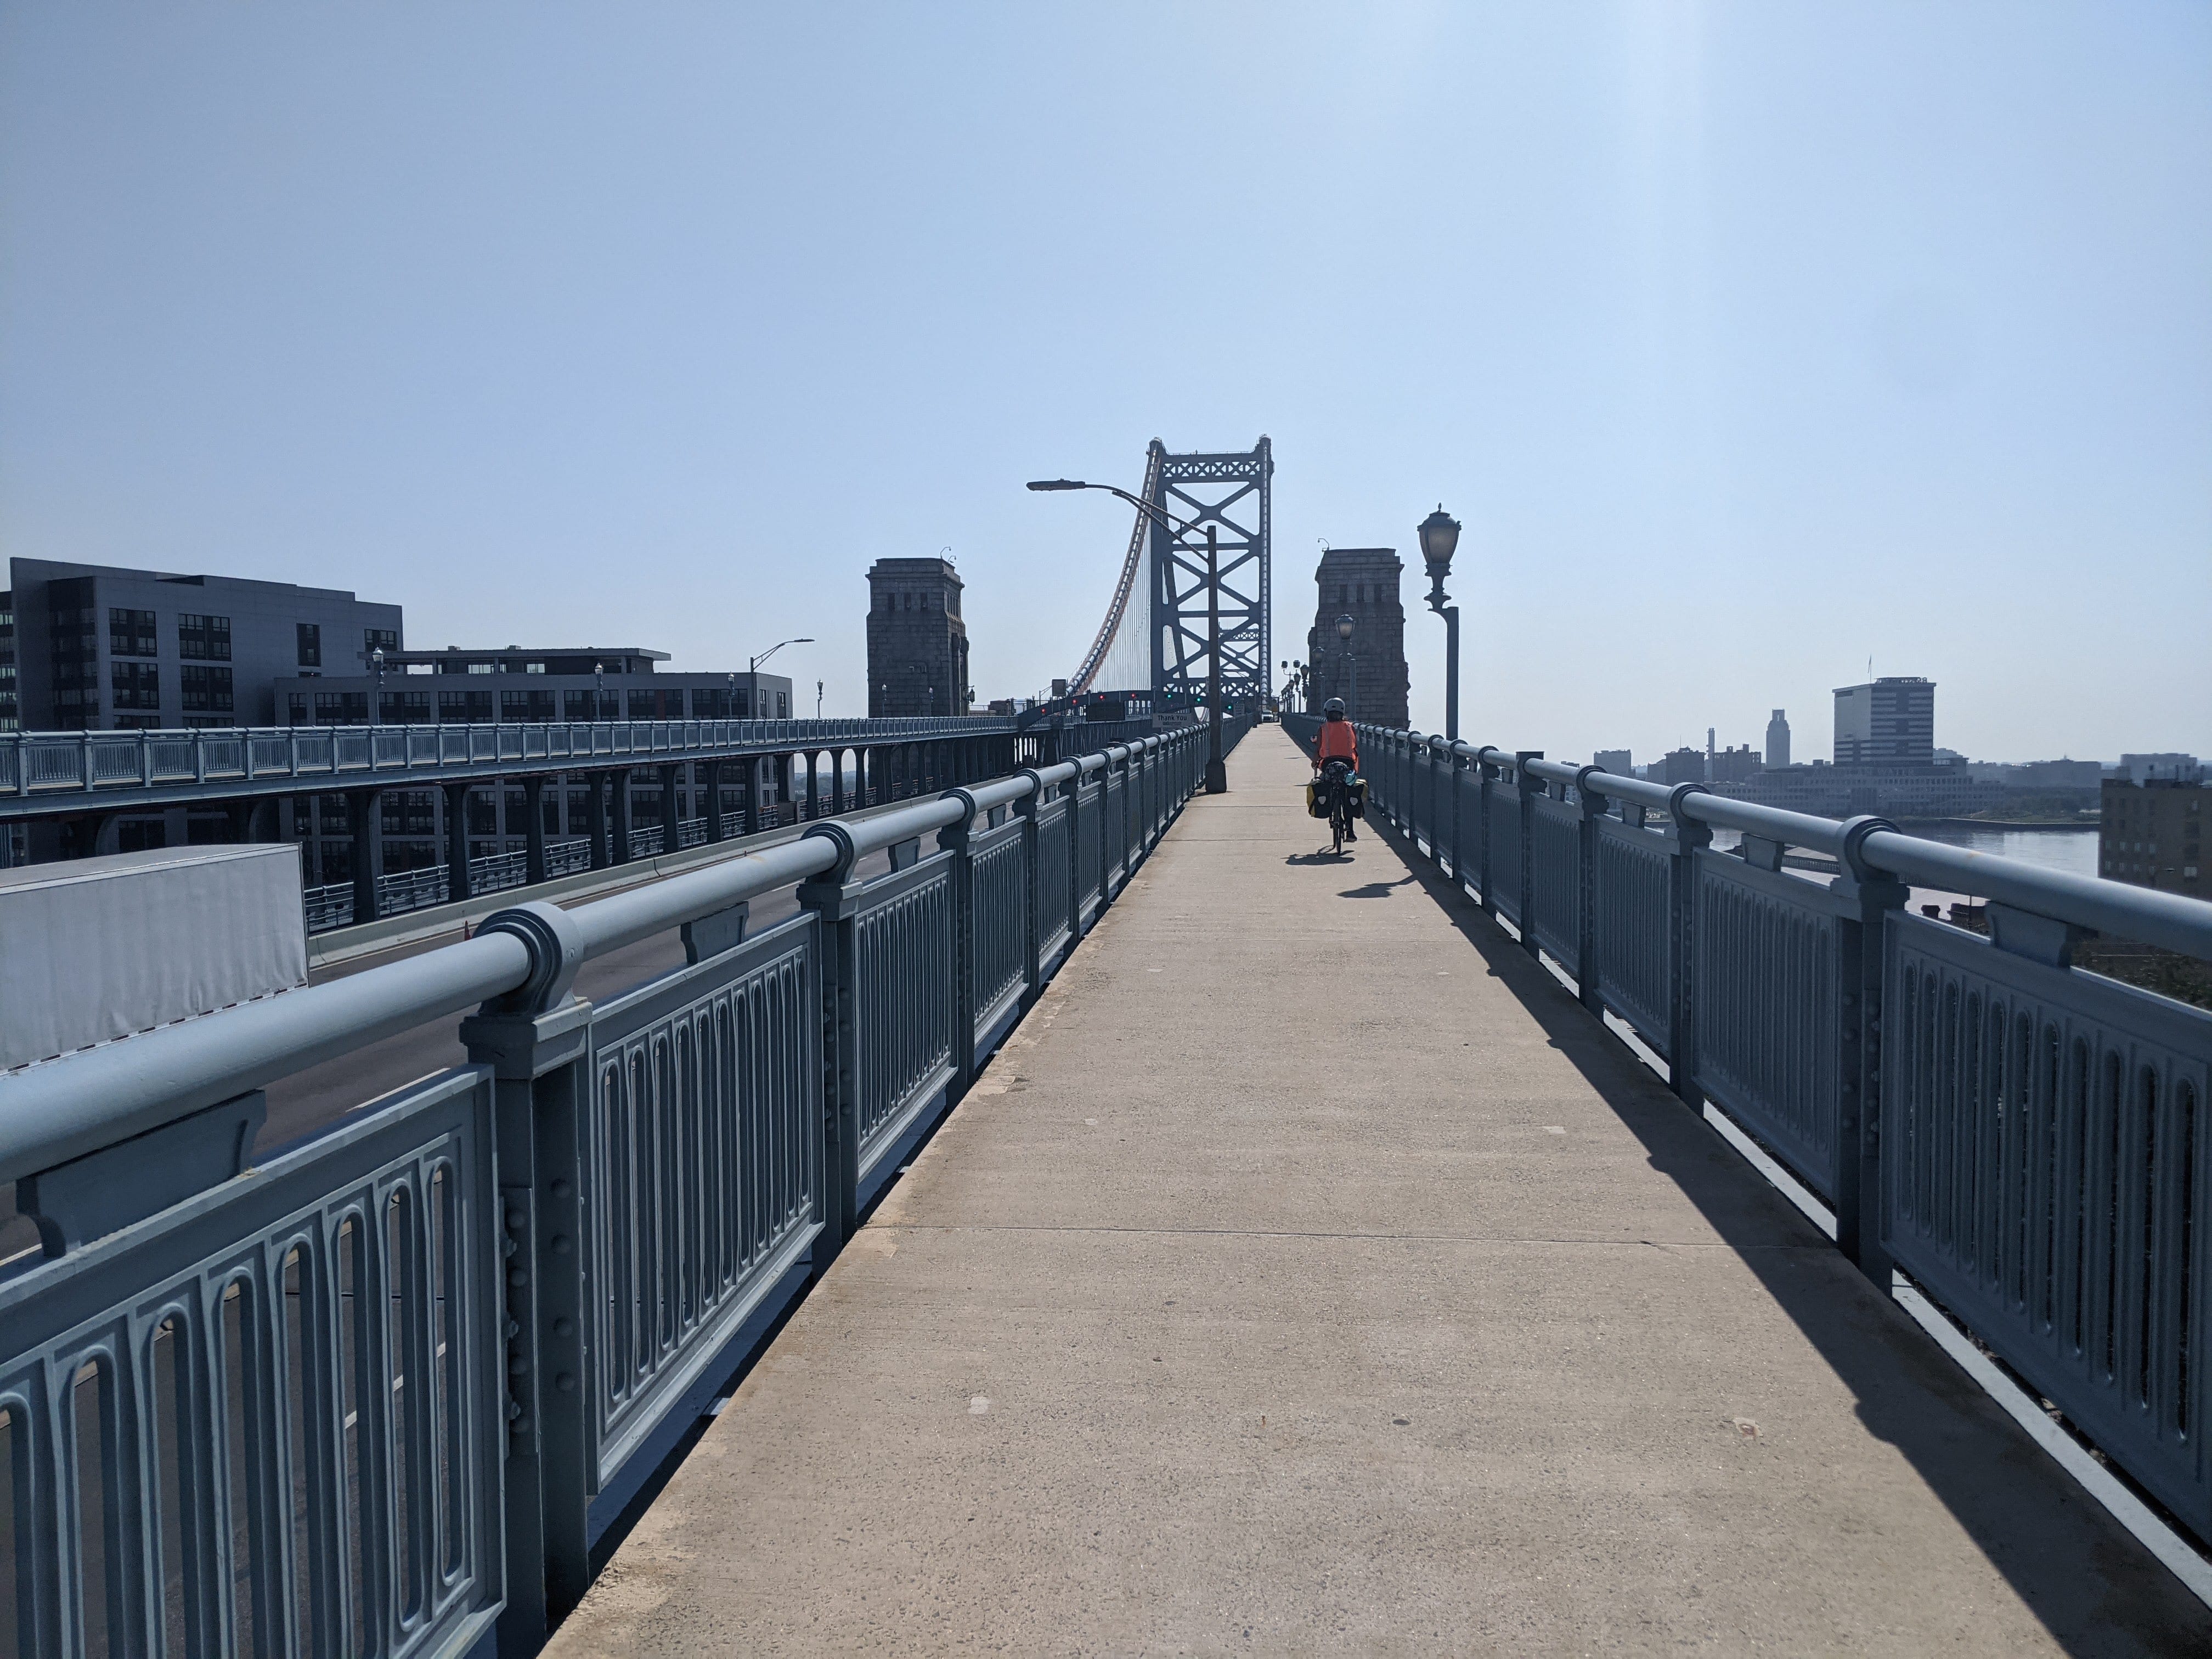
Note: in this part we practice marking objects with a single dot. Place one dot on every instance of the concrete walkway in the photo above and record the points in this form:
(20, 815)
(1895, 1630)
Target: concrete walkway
(1311, 1274)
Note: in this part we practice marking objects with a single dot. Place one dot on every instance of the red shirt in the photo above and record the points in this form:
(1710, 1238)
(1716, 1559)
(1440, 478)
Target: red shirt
(1338, 742)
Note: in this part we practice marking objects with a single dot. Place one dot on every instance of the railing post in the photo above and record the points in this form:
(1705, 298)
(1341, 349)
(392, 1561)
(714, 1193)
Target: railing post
(1034, 879)
(955, 838)
(533, 845)
(834, 897)
(1457, 754)
(1586, 838)
(538, 1044)
(1860, 1192)
(1690, 838)
(1521, 783)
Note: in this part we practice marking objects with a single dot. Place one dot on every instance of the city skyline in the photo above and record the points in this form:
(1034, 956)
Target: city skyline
(1736, 374)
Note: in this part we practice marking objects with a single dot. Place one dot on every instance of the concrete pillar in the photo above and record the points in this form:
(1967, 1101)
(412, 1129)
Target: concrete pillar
(364, 819)
(837, 803)
(533, 850)
(457, 842)
(710, 773)
(621, 827)
(672, 819)
(600, 857)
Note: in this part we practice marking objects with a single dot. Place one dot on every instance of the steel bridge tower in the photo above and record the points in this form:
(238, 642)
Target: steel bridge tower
(1232, 493)
(1155, 634)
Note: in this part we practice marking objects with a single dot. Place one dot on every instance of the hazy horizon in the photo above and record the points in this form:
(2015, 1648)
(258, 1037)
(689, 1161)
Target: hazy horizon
(1748, 343)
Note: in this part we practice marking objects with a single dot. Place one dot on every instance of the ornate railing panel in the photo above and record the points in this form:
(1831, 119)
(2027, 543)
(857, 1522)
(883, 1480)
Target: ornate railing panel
(1632, 939)
(1769, 1008)
(905, 996)
(269, 1419)
(1055, 881)
(2046, 1151)
(1089, 806)
(1502, 826)
(1000, 877)
(702, 1168)
(1556, 833)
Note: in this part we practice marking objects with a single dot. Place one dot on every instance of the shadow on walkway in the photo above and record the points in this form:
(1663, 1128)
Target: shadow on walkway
(2095, 1587)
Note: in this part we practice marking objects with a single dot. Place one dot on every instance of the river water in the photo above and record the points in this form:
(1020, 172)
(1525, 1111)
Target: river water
(2074, 851)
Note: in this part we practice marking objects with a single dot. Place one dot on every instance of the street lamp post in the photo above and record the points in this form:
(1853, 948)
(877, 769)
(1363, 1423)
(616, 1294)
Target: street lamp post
(1217, 770)
(376, 661)
(1216, 773)
(1351, 667)
(1439, 534)
(752, 668)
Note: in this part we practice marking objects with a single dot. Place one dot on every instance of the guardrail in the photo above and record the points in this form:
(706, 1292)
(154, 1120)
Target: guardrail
(2025, 1140)
(51, 771)
(381, 1394)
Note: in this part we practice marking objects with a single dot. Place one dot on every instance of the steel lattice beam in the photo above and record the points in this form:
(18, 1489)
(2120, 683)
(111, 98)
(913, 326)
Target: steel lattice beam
(1232, 493)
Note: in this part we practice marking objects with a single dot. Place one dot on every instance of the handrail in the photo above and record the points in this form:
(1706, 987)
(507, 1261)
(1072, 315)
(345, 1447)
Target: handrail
(40, 766)
(63, 1107)
(2141, 915)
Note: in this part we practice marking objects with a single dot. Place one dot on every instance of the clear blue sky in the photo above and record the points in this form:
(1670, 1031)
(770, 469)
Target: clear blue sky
(1748, 340)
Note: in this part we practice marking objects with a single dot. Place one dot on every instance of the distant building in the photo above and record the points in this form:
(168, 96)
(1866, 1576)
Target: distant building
(1889, 721)
(1735, 765)
(2152, 834)
(1683, 765)
(1838, 791)
(2041, 777)
(98, 647)
(917, 643)
(2173, 768)
(1615, 761)
(1369, 673)
(1778, 740)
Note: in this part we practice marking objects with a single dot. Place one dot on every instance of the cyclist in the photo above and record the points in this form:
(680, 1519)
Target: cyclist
(1336, 757)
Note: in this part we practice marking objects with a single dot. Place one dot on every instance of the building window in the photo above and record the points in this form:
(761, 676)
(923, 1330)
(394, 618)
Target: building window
(465, 708)
(131, 634)
(641, 706)
(405, 709)
(135, 684)
(311, 645)
(525, 705)
(379, 639)
(341, 708)
(203, 639)
(783, 705)
(206, 690)
(296, 709)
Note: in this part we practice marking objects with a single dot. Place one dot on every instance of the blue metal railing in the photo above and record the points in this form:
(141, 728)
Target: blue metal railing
(45, 772)
(384, 1392)
(2026, 1141)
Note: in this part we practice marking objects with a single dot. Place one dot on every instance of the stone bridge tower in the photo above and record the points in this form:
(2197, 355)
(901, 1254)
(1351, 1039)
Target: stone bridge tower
(1361, 582)
(917, 644)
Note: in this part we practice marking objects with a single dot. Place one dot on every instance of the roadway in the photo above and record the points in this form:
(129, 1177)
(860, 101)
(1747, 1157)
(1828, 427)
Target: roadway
(1310, 1272)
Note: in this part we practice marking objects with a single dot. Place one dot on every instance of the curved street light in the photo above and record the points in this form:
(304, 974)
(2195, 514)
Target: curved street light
(1217, 772)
